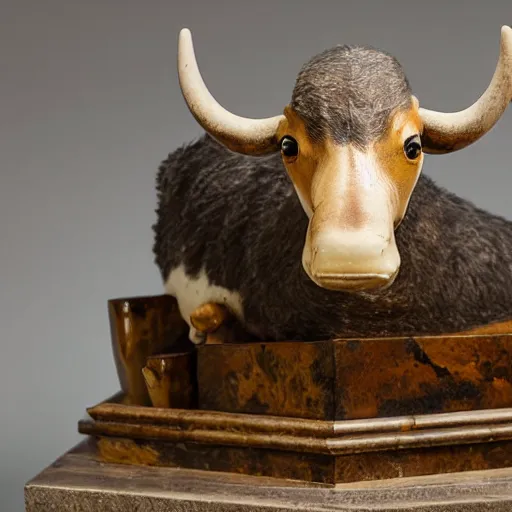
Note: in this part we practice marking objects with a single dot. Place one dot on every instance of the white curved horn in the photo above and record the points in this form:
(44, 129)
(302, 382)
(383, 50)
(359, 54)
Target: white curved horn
(240, 134)
(447, 132)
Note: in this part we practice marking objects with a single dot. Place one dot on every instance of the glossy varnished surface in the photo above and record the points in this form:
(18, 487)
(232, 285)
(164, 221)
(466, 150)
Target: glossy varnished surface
(282, 379)
(344, 410)
(422, 375)
(141, 327)
(171, 380)
(358, 378)
(326, 452)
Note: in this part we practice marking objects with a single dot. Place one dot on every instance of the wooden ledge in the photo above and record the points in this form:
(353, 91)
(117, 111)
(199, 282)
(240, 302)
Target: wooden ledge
(291, 434)
(186, 419)
(322, 451)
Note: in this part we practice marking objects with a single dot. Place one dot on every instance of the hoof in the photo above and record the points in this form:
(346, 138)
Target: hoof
(196, 337)
(209, 317)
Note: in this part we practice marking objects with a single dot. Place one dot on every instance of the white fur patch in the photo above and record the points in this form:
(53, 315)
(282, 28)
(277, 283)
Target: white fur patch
(194, 291)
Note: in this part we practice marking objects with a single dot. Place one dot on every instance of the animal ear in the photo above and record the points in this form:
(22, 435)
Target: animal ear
(447, 132)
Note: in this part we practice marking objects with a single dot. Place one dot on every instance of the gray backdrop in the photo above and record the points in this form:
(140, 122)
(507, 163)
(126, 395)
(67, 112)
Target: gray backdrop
(90, 105)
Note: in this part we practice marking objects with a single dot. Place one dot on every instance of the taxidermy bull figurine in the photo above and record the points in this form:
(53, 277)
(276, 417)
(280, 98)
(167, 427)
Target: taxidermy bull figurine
(318, 222)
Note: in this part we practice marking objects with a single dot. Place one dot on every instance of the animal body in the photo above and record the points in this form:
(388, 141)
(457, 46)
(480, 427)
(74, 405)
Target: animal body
(318, 222)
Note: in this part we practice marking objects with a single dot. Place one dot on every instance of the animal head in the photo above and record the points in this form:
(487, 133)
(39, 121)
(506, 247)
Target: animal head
(352, 140)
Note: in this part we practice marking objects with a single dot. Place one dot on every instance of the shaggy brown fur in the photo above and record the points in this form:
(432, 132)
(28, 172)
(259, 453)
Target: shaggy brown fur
(239, 218)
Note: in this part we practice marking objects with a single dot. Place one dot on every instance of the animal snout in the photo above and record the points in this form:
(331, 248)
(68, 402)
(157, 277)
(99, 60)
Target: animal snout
(353, 260)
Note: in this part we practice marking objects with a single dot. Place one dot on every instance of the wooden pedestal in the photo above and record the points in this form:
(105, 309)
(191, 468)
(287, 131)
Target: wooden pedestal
(328, 412)
(309, 450)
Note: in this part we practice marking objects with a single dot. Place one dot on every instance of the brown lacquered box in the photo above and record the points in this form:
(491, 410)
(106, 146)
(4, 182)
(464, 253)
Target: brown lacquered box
(331, 411)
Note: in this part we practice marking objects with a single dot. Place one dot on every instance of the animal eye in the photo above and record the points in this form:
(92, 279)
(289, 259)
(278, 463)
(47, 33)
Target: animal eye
(412, 147)
(289, 146)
